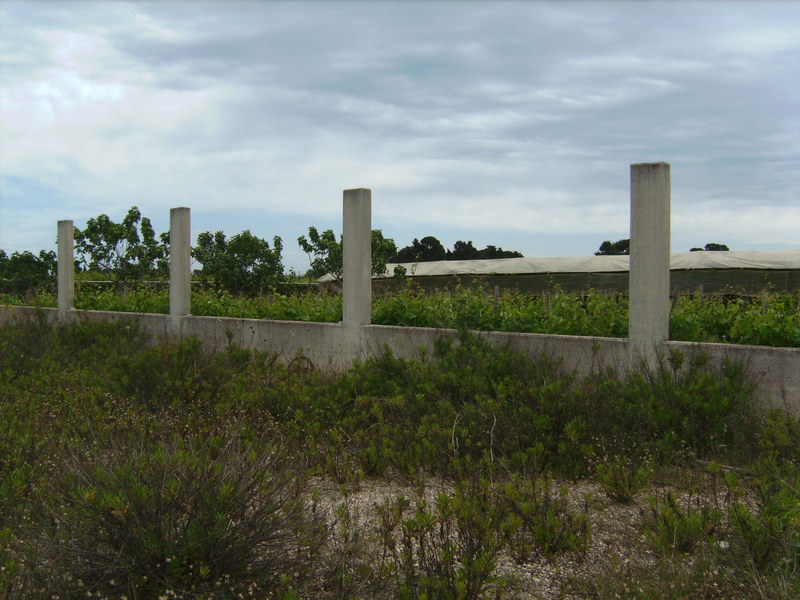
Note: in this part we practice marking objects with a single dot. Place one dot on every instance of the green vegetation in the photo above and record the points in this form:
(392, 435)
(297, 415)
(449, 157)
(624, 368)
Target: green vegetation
(326, 253)
(429, 249)
(124, 251)
(243, 264)
(23, 271)
(624, 247)
(614, 248)
(772, 319)
(149, 470)
(130, 251)
(711, 247)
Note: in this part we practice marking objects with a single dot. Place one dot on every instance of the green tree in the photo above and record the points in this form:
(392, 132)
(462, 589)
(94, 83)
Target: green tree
(619, 247)
(425, 250)
(711, 247)
(383, 249)
(27, 270)
(326, 253)
(494, 252)
(243, 264)
(429, 248)
(122, 251)
(464, 251)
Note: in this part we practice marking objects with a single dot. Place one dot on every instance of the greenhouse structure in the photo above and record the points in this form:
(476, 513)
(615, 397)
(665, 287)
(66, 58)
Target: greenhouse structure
(744, 272)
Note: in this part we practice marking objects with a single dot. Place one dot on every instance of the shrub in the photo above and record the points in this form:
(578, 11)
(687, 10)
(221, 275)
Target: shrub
(623, 477)
(351, 571)
(688, 404)
(205, 519)
(769, 537)
(23, 345)
(677, 528)
(447, 550)
(540, 520)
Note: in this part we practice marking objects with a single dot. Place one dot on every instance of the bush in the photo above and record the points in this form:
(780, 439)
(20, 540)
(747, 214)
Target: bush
(541, 522)
(769, 537)
(447, 550)
(623, 477)
(674, 527)
(205, 519)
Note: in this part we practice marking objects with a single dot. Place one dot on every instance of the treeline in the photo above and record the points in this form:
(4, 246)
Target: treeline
(623, 247)
(430, 249)
(244, 263)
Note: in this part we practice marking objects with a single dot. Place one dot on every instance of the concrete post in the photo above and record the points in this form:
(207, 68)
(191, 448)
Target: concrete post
(66, 268)
(180, 276)
(357, 258)
(649, 262)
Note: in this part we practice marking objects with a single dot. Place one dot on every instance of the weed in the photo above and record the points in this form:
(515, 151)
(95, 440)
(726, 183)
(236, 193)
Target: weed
(680, 527)
(350, 573)
(540, 520)
(447, 550)
(623, 477)
(769, 537)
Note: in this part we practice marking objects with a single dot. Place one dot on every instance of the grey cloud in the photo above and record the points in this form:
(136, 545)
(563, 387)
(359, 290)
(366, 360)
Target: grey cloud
(539, 100)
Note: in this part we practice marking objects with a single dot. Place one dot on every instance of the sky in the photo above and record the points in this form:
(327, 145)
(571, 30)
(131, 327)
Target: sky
(504, 123)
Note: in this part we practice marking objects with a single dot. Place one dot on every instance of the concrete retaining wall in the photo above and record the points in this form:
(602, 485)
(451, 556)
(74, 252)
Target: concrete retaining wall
(776, 371)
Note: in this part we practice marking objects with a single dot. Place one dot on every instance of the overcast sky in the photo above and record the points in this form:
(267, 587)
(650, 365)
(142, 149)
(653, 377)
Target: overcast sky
(505, 123)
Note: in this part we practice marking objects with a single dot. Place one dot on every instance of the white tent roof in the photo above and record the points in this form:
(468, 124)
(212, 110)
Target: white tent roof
(738, 259)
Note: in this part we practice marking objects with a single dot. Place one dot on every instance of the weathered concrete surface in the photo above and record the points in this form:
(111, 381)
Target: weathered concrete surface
(579, 353)
(153, 326)
(649, 262)
(357, 258)
(66, 266)
(776, 371)
(180, 272)
(325, 345)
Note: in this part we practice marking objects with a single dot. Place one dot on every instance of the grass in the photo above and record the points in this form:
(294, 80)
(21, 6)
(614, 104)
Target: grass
(149, 471)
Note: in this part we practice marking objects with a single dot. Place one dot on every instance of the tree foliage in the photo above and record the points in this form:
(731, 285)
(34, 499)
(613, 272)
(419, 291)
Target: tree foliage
(425, 250)
(26, 269)
(711, 247)
(243, 264)
(464, 251)
(609, 248)
(496, 252)
(122, 251)
(429, 249)
(326, 253)
(382, 250)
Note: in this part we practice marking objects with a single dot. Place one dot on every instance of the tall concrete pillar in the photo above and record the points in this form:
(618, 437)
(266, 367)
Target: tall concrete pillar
(180, 276)
(66, 268)
(649, 262)
(357, 258)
